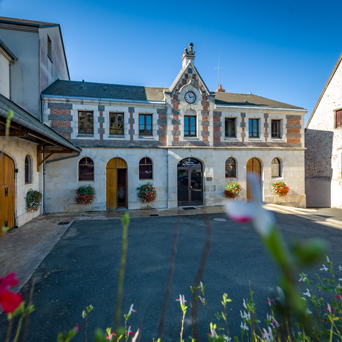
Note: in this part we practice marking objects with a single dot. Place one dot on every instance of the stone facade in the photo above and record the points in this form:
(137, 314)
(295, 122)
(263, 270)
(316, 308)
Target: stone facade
(323, 157)
(169, 144)
(17, 150)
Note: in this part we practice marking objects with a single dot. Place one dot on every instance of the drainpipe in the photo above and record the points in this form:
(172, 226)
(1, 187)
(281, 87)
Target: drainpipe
(44, 170)
(10, 77)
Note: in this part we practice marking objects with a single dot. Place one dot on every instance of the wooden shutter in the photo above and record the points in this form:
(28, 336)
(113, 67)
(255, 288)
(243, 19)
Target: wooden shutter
(338, 118)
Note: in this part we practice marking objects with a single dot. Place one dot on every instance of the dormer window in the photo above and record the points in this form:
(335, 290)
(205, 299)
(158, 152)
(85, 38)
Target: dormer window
(49, 52)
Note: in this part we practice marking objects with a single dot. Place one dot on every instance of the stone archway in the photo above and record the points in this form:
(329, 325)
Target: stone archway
(116, 184)
(190, 182)
(254, 166)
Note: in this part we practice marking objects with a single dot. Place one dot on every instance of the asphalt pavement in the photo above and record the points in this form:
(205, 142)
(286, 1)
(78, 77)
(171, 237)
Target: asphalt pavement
(82, 269)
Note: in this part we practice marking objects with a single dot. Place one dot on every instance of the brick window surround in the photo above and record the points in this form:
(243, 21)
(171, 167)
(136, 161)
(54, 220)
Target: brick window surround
(229, 128)
(276, 128)
(116, 122)
(85, 122)
(253, 128)
(145, 124)
(190, 126)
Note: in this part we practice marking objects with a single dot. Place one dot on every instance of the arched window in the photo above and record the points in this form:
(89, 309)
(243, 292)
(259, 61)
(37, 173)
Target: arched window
(276, 167)
(230, 168)
(27, 170)
(86, 169)
(145, 168)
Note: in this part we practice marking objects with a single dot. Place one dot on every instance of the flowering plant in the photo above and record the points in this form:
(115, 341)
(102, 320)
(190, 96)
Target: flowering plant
(85, 194)
(232, 190)
(33, 200)
(147, 193)
(280, 189)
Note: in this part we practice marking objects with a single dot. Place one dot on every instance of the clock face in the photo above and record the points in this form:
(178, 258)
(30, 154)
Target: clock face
(190, 97)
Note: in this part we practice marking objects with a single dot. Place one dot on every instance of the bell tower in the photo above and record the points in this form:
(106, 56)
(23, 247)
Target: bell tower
(188, 55)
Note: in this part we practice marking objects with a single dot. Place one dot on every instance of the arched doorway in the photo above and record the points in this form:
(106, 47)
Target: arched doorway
(7, 192)
(190, 182)
(116, 189)
(253, 165)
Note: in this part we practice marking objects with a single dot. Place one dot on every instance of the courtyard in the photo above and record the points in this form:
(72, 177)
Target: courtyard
(82, 269)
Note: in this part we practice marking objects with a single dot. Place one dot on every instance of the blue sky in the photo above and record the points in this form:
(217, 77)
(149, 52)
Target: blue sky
(283, 50)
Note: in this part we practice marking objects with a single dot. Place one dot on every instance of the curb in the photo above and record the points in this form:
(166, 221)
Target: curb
(299, 213)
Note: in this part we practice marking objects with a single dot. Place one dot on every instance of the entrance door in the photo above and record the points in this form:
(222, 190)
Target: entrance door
(116, 175)
(7, 192)
(253, 165)
(190, 182)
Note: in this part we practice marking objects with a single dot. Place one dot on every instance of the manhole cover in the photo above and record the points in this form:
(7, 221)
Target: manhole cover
(219, 219)
(61, 223)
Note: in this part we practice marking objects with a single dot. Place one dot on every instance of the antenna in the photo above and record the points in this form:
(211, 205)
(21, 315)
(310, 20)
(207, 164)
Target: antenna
(218, 72)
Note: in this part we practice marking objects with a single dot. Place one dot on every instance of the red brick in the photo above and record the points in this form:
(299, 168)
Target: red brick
(293, 122)
(293, 131)
(293, 141)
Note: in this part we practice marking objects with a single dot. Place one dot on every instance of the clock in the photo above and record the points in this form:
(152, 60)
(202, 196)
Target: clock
(190, 97)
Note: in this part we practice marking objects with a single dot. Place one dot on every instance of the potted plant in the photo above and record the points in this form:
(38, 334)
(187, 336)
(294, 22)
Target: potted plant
(147, 193)
(232, 189)
(33, 200)
(85, 194)
(280, 189)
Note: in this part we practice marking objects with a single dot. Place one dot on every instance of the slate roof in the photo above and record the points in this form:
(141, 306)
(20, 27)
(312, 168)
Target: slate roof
(104, 91)
(26, 120)
(249, 100)
(138, 93)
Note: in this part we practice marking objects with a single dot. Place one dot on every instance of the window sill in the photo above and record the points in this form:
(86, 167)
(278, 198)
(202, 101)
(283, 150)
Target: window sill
(191, 138)
(145, 137)
(85, 135)
(116, 136)
(231, 138)
(254, 139)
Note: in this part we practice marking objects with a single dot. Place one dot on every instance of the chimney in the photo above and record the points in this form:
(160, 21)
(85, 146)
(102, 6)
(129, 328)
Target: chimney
(220, 90)
(188, 56)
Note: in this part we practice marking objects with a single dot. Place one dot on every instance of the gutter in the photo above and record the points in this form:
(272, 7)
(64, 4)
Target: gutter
(103, 99)
(36, 129)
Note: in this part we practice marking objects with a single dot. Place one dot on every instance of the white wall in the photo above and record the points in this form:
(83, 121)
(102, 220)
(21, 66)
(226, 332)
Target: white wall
(62, 176)
(18, 149)
(4, 79)
(25, 71)
(324, 148)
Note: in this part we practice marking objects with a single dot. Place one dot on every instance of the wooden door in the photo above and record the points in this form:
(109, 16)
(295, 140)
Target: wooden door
(112, 174)
(253, 165)
(7, 192)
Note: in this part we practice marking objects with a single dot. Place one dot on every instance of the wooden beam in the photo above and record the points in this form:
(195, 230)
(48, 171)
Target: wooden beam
(15, 133)
(43, 160)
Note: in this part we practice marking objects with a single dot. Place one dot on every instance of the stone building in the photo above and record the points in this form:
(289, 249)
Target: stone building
(186, 140)
(323, 135)
(31, 58)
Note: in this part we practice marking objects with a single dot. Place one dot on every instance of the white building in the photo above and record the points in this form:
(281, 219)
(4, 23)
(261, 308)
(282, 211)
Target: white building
(31, 57)
(186, 140)
(323, 157)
